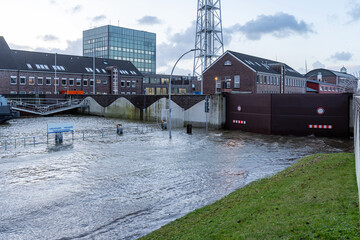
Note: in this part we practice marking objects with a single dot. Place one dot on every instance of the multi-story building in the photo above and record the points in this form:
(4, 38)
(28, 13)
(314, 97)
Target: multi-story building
(321, 87)
(241, 73)
(26, 72)
(112, 42)
(347, 83)
(158, 84)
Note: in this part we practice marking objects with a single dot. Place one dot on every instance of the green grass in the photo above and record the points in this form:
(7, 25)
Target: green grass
(316, 198)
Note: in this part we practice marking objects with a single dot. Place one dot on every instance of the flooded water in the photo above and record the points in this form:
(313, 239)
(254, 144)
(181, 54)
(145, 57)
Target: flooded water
(125, 187)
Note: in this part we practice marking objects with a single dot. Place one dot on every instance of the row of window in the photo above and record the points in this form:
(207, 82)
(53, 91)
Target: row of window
(227, 82)
(274, 80)
(64, 81)
(46, 67)
(48, 92)
(329, 89)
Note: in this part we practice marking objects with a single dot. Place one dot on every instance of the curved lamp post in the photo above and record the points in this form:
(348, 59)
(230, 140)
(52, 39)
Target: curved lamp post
(172, 71)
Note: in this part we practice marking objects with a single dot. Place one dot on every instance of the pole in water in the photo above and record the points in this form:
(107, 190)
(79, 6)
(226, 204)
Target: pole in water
(58, 138)
(119, 129)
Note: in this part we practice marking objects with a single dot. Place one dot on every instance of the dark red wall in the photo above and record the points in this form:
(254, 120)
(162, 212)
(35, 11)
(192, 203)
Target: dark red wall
(289, 114)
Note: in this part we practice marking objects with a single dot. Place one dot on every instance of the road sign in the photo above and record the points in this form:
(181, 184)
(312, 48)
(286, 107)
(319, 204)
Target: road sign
(60, 127)
(320, 111)
(239, 108)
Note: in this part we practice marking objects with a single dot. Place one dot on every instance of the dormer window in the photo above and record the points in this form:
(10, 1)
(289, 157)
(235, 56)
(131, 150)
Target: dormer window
(228, 63)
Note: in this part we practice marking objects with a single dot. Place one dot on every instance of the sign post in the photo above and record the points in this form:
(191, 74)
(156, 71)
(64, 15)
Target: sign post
(59, 129)
(207, 111)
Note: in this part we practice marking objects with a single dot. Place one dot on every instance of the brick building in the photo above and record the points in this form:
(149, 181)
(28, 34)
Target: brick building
(26, 72)
(241, 73)
(347, 83)
(158, 84)
(321, 87)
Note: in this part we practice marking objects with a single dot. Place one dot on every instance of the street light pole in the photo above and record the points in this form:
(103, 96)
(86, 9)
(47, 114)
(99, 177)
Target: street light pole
(172, 71)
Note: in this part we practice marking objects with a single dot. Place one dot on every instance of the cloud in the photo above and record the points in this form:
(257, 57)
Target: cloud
(318, 64)
(341, 56)
(177, 44)
(355, 12)
(99, 18)
(52, 1)
(73, 48)
(77, 8)
(49, 38)
(149, 20)
(280, 25)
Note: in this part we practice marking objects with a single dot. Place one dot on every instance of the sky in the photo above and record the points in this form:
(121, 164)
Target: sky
(319, 34)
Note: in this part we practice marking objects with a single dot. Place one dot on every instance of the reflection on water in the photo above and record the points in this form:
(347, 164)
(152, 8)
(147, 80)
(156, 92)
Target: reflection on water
(124, 187)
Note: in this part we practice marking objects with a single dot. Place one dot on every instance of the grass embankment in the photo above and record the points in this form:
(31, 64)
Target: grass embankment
(314, 199)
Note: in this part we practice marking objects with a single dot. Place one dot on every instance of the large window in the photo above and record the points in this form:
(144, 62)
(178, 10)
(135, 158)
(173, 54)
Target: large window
(48, 81)
(13, 80)
(127, 83)
(71, 82)
(63, 82)
(133, 84)
(122, 83)
(78, 82)
(31, 80)
(40, 81)
(237, 81)
(22, 80)
(85, 82)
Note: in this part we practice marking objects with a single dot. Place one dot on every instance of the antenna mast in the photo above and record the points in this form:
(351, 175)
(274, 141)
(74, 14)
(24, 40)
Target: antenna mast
(209, 36)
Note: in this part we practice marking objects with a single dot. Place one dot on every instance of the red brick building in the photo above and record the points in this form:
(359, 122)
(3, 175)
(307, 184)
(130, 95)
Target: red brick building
(322, 87)
(26, 72)
(347, 83)
(237, 72)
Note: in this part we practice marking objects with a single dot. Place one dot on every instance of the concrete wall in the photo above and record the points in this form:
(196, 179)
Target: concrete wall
(158, 110)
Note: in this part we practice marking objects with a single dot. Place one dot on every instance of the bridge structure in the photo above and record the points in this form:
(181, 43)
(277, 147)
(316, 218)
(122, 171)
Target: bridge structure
(45, 106)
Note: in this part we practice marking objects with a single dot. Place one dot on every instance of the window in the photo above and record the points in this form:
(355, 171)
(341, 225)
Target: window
(13, 92)
(57, 81)
(85, 82)
(257, 79)
(31, 80)
(91, 82)
(265, 80)
(13, 80)
(22, 80)
(78, 82)
(29, 66)
(63, 82)
(133, 93)
(237, 81)
(98, 81)
(321, 88)
(40, 81)
(122, 83)
(128, 93)
(71, 82)
(105, 81)
(133, 84)
(164, 81)
(48, 81)
(228, 63)
(127, 83)
(22, 92)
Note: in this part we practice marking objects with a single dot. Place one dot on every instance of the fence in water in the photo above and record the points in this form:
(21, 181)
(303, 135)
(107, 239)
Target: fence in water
(82, 135)
(357, 138)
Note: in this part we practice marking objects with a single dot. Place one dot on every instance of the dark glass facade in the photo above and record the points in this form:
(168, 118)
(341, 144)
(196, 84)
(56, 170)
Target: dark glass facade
(138, 47)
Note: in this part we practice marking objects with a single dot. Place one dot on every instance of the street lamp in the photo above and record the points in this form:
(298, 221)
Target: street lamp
(172, 71)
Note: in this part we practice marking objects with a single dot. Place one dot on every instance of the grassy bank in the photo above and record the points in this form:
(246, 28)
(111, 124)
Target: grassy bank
(314, 199)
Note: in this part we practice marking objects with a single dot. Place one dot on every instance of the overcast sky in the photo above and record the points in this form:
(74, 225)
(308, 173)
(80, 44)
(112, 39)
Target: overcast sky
(325, 33)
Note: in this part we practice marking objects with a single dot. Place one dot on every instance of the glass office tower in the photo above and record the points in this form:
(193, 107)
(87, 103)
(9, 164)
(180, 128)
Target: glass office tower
(119, 43)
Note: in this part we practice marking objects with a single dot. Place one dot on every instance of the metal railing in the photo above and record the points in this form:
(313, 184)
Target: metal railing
(357, 139)
(82, 135)
(45, 106)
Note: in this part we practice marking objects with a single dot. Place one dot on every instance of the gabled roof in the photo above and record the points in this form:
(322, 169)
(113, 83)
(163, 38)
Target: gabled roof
(37, 61)
(45, 62)
(7, 60)
(328, 72)
(264, 65)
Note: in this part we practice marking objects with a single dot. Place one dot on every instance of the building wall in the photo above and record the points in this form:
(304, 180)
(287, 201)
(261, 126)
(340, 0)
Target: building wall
(119, 43)
(219, 71)
(250, 81)
(66, 82)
